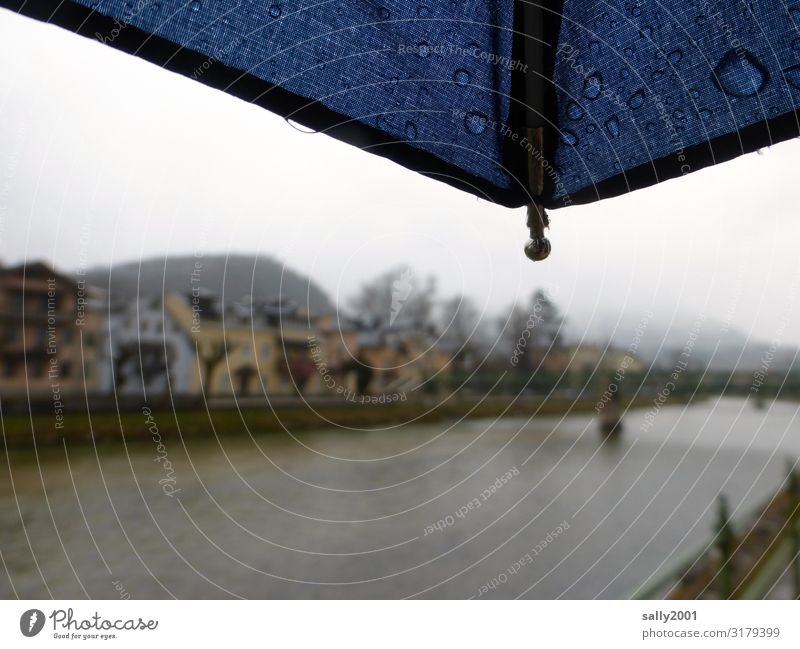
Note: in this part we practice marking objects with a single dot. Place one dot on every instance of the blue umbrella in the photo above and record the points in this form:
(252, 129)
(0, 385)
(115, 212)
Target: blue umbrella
(545, 105)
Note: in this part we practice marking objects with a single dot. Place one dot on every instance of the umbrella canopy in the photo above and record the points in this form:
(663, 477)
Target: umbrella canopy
(622, 94)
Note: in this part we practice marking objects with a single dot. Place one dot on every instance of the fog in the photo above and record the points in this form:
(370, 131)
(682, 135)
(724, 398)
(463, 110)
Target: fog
(106, 158)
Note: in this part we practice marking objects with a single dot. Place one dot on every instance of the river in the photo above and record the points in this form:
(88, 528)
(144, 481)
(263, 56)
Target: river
(537, 508)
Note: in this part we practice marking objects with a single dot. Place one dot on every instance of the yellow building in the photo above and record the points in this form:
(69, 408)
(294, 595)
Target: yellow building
(246, 350)
(50, 335)
(382, 360)
(583, 359)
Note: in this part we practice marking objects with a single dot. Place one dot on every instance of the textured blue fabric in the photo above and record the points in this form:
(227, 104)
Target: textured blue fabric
(638, 81)
(434, 74)
(638, 85)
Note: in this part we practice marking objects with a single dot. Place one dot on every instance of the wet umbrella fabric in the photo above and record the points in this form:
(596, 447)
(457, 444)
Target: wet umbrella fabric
(641, 92)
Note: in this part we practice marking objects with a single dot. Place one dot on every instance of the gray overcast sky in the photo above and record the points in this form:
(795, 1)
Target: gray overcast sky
(106, 158)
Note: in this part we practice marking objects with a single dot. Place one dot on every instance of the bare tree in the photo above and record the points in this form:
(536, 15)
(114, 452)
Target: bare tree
(210, 356)
(144, 361)
(459, 325)
(533, 329)
(396, 296)
(551, 321)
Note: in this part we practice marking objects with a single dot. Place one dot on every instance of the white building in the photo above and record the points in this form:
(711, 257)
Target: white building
(148, 350)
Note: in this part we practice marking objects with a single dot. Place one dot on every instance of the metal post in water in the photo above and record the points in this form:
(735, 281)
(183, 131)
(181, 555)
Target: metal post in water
(725, 548)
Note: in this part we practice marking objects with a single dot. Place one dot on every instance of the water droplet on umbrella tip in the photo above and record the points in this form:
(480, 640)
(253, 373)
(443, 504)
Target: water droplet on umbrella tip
(674, 56)
(591, 128)
(646, 31)
(461, 77)
(574, 111)
(792, 75)
(705, 114)
(636, 100)
(195, 6)
(594, 46)
(568, 137)
(423, 11)
(612, 126)
(424, 50)
(593, 86)
(275, 11)
(740, 74)
(475, 123)
(636, 11)
(383, 13)
(411, 131)
(694, 94)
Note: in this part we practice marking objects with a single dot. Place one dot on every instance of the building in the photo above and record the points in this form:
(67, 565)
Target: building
(151, 354)
(60, 337)
(51, 334)
(193, 345)
(582, 360)
(232, 353)
(397, 359)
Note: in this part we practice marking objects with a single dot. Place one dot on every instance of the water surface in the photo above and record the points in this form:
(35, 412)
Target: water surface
(337, 514)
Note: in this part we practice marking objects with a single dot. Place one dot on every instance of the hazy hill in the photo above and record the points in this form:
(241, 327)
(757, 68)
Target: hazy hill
(233, 276)
(716, 347)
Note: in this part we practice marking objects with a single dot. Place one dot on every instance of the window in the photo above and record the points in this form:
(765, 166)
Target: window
(36, 368)
(9, 368)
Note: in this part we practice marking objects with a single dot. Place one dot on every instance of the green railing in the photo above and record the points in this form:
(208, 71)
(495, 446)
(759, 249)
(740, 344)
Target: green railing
(780, 559)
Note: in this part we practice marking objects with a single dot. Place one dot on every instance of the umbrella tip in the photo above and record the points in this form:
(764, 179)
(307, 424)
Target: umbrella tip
(538, 248)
